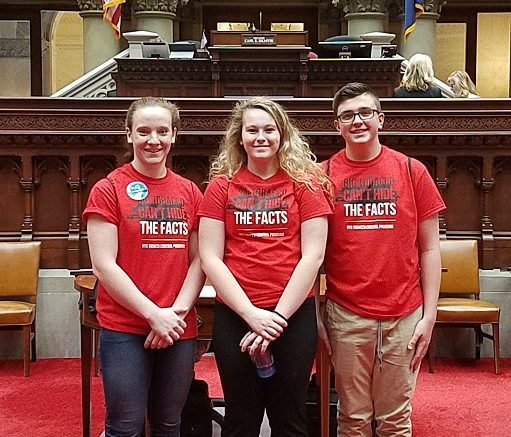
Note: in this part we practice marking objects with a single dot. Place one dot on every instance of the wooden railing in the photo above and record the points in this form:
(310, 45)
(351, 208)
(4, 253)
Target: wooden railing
(52, 151)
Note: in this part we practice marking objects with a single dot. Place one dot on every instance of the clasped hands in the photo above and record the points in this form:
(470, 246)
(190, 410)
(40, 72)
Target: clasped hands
(266, 326)
(167, 326)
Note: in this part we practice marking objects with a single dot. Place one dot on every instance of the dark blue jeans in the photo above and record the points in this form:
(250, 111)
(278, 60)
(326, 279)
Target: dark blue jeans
(282, 395)
(137, 379)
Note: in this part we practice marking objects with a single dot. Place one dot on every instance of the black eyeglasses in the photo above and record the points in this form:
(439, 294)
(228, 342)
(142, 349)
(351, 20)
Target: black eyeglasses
(364, 114)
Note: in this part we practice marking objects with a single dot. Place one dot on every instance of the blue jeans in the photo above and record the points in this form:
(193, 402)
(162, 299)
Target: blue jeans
(136, 379)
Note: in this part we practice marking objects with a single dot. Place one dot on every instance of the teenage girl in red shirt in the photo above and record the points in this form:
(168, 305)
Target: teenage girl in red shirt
(262, 237)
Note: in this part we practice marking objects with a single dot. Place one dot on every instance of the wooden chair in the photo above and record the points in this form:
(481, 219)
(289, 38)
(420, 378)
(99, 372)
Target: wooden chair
(19, 272)
(459, 304)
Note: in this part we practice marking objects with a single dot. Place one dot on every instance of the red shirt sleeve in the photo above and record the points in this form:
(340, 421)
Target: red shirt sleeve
(312, 203)
(215, 199)
(103, 201)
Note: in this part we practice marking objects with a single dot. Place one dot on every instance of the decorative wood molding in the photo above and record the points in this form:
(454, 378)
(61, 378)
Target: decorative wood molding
(131, 69)
(58, 148)
(273, 71)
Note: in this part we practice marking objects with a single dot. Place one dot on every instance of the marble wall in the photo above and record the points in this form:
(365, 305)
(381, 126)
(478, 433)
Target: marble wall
(57, 319)
(14, 58)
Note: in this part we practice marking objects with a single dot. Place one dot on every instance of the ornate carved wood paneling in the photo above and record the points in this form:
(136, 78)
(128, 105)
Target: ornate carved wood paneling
(52, 151)
(325, 77)
(500, 210)
(502, 181)
(246, 71)
(180, 78)
(464, 175)
(12, 196)
(51, 174)
(195, 168)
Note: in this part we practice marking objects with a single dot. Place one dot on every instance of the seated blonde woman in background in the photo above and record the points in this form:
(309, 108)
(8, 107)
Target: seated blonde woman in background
(418, 79)
(461, 85)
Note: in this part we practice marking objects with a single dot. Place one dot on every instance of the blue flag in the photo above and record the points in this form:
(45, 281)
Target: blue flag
(413, 10)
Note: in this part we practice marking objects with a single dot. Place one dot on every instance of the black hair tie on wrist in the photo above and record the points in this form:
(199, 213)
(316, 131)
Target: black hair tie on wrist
(280, 315)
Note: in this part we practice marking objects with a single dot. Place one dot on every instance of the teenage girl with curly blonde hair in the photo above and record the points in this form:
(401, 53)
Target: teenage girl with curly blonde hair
(262, 238)
(294, 154)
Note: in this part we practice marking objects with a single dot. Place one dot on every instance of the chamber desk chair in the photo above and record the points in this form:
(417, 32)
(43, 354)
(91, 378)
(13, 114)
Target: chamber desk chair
(459, 304)
(19, 271)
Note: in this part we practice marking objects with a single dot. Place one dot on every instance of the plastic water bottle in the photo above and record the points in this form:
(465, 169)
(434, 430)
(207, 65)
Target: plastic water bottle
(265, 365)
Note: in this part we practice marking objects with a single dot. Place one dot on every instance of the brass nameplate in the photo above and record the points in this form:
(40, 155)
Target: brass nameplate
(259, 39)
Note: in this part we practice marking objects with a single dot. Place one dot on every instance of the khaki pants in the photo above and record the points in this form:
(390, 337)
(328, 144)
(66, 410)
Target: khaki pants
(372, 372)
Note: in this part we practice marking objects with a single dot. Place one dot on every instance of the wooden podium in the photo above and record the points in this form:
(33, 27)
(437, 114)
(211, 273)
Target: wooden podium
(271, 71)
(283, 38)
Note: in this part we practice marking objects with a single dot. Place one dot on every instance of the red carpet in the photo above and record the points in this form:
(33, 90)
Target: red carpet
(462, 399)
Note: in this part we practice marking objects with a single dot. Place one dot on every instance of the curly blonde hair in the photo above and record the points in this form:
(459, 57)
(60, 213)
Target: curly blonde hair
(461, 84)
(419, 73)
(294, 154)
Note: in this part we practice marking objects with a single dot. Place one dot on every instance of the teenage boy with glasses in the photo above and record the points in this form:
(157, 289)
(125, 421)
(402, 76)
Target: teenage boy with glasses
(382, 267)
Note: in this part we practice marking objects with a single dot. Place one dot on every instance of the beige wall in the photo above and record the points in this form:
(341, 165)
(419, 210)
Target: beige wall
(493, 54)
(66, 50)
(450, 48)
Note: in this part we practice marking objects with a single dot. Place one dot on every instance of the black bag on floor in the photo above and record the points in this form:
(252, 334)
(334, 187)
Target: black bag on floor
(196, 418)
(312, 409)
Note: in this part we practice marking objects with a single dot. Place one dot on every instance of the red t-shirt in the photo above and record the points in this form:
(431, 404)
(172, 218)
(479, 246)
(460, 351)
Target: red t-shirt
(372, 258)
(262, 228)
(154, 218)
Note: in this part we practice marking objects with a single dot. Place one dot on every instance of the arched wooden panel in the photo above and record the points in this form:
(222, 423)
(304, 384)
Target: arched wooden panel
(463, 195)
(11, 215)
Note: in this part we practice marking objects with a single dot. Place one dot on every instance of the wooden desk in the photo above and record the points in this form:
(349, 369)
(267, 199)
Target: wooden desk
(252, 71)
(271, 71)
(88, 323)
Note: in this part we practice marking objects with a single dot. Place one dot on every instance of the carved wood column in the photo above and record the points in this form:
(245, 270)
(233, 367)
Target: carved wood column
(99, 43)
(363, 16)
(74, 183)
(27, 184)
(215, 75)
(303, 75)
(442, 182)
(486, 185)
